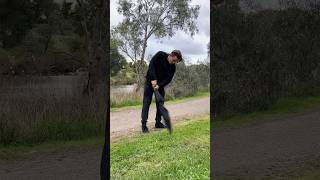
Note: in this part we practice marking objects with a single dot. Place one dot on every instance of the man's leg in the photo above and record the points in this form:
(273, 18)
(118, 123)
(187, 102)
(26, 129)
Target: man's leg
(147, 98)
(158, 115)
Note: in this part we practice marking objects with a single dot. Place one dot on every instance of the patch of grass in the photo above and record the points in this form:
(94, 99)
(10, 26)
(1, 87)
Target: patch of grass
(125, 103)
(137, 104)
(183, 155)
(54, 129)
(308, 175)
(33, 120)
(307, 170)
(24, 151)
(283, 108)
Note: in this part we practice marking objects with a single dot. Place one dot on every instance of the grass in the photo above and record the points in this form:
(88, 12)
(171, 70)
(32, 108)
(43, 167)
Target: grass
(34, 120)
(13, 152)
(159, 155)
(283, 108)
(308, 170)
(135, 103)
(308, 175)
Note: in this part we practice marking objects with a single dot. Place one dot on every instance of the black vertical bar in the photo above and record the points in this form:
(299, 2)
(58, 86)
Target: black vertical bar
(105, 160)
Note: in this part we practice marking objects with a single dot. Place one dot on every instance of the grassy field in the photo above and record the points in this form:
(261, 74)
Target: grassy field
(309, 170)
(188, 147)
(34, 120)
(14, 152)
(183, 155)
(136, 103)
(308, 175)
(283, 108)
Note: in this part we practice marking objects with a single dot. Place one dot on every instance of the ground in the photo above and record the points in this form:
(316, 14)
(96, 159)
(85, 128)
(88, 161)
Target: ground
(266, 150)
(128, 122)
(85, 163)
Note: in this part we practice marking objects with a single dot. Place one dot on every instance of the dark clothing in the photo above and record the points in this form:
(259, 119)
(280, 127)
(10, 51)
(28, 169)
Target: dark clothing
(160, 69)
(163, 72)
(147, 98)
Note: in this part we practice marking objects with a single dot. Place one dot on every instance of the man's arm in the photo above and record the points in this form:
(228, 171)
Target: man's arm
(152, 66)
(167, 80)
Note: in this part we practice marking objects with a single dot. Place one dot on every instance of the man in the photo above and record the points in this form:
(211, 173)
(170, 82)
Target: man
(160, 73)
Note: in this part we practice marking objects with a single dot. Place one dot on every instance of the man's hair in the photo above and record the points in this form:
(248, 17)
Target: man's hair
(177, 53)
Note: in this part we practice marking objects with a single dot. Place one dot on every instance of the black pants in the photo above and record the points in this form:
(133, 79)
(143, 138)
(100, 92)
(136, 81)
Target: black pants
(147, 98)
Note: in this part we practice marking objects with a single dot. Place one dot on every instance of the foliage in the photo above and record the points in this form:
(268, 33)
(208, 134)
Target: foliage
(117, 61)
(254, 67)
(52, 43)
(189, 79)
(142, 19)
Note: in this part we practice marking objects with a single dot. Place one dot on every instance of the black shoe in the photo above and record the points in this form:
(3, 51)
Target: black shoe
(144, 128)
(160, 125)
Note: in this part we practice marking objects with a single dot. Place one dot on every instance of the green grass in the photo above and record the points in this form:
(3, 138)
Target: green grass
(308, 170)
(159, 155)
(125, 103)
(137, 104)
(283, 108)
(13, 152)
(308, 175)
(51, 130)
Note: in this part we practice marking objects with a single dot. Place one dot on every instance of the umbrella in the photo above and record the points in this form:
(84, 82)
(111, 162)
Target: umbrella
(163, 110)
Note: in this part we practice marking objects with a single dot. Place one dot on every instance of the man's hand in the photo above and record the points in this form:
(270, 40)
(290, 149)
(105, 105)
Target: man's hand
(154, 83)
(156, 87)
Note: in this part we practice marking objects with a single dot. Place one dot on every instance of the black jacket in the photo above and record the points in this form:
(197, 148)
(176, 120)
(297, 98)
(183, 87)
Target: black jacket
(160, 69)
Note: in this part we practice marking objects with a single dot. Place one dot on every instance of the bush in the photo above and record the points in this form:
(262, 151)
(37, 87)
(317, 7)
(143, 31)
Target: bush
(253, 67)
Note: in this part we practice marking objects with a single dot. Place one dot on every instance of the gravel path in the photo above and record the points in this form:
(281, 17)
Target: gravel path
(263, 150)
(129, 121)
(85, 163)
(255, 152)
(67, 165)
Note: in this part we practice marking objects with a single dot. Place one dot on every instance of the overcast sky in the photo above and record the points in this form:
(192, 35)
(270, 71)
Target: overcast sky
(192, 48)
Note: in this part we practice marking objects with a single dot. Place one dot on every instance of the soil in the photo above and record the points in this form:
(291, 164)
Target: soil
(125, 123)
(85, 163)
(268, 150)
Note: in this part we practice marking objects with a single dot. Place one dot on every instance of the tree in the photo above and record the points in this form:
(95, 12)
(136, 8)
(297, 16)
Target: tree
(254, 67)
(16, 19)
(117, 61)
(94, 19)
(144, 18)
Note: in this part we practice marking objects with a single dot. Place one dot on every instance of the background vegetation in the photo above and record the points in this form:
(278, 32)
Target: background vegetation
(49, 56)
(261, 55)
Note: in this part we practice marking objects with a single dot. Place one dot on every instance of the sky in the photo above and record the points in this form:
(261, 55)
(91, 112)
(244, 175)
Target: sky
(193, 49)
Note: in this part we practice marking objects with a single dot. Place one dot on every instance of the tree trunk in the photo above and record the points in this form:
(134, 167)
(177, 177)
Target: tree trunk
(97, 87)
(140, 72)
(97, 55)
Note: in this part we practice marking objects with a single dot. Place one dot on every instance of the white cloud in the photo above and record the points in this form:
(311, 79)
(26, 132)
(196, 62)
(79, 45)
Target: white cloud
(192, 48)
(115, 17)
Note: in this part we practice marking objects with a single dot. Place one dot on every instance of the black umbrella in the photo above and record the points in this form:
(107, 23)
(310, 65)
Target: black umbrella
(164, 112)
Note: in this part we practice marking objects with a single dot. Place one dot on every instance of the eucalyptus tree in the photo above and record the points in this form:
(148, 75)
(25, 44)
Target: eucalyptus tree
(146, 18)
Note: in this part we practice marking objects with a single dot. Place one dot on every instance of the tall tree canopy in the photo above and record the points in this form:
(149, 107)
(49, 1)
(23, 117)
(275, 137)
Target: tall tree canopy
(144, 18)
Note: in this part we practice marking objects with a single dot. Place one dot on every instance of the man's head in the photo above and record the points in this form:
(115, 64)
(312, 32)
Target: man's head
(175, 57)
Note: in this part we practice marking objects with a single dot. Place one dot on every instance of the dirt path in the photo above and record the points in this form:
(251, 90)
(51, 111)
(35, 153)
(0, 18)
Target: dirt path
(129, 121)
(260, 151)
(85, 164)
(67, 165)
